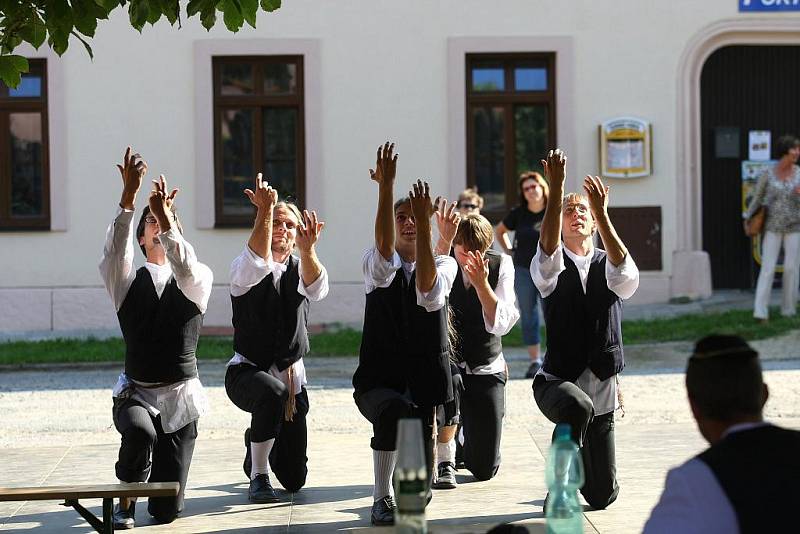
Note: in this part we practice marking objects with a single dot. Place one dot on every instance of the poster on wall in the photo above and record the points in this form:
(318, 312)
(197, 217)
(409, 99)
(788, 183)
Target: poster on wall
(751, 172)
(626, 148)
(759, 143)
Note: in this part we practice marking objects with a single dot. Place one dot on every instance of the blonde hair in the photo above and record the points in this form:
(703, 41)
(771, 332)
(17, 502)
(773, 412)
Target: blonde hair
(474, 233)
(292, 208)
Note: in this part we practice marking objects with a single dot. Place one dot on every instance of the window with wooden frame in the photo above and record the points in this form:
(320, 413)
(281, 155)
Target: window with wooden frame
(24, 172)
(511, 123)
(258, 127)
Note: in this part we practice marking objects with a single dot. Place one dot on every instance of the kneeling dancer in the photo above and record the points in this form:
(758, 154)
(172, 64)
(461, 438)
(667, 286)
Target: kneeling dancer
(404, 368)
(482, 302)
(270, 292)
(582, 289)
(158, 398)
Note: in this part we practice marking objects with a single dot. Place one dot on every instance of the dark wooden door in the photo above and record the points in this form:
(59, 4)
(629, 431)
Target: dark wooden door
(742, 88)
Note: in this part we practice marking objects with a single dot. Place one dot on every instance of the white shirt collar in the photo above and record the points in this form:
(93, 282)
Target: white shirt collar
(580, 261)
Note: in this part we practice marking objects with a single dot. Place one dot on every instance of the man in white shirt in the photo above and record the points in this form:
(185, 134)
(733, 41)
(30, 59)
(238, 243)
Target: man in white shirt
(582, 289)
(403, 369)
(271, 291)
(746, 481)
(158, 398)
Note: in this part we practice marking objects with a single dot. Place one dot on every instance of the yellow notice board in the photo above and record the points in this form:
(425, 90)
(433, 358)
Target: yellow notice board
(626, 149)
(751, 172)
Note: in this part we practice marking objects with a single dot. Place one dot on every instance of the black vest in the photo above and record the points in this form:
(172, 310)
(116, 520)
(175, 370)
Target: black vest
(160, 333)
(475, 345)
(271, 327)
(759, 470)
(403, 346)
(583, 330)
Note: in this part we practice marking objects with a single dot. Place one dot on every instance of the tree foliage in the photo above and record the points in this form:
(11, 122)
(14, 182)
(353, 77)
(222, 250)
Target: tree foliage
(58, 21)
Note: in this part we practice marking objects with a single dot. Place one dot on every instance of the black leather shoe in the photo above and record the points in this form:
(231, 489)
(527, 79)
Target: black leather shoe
(533, 369)
(445, 476)
(383, 511)
(261, 490)
(248, 460)
(124, 519)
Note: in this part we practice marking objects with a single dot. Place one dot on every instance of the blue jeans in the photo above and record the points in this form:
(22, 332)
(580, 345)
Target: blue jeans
(528, 302)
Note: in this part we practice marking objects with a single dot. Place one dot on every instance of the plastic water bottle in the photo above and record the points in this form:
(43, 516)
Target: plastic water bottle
(410, 479)
(564, 476)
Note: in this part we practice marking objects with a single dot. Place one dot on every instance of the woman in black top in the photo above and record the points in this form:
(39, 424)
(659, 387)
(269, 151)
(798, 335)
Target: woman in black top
(526, 221)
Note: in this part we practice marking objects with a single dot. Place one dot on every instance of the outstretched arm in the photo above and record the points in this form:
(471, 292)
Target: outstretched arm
(307, 236)
(264, 198)
(598, 202)
(555, 170)
(116, 266)
(384, 173)
(423, 209)
(447, 220)
(133, 169)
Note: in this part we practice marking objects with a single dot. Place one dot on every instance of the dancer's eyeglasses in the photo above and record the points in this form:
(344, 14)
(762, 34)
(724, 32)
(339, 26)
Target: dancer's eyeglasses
(468, 206)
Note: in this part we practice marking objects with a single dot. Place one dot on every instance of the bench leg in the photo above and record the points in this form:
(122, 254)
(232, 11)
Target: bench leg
(106, 526)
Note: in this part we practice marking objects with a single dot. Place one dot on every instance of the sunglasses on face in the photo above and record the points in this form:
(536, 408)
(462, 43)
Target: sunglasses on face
(530, 187)
(467, 206)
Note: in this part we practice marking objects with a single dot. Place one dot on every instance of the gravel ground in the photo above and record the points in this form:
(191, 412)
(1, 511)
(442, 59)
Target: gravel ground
(73, 404)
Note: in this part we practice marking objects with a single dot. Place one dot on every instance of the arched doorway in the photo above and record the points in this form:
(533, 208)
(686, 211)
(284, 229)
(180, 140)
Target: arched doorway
(742, 88)
(690, 263)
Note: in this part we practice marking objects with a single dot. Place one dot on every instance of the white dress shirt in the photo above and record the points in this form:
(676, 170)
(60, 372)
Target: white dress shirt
(247, 271)
(622, 279)
(505, 316)
(693, 502)
(380, 272)
(182, 402)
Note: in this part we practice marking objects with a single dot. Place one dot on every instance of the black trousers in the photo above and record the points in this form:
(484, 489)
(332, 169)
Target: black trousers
(383, 407)
(149, 454)
(483, 406)
(562, 401)
(264, 397)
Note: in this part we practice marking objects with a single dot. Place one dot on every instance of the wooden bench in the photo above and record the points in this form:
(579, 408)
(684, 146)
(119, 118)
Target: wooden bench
(108, 492)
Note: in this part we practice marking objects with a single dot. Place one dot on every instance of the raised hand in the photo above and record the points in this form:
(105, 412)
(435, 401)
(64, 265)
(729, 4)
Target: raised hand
(447, 218)
(597, 194)
(477, 268)
(421, 205)
(264, 197)
(555, 167)
(308, 232)
(161, 201)
(132, 170)
(385, 166)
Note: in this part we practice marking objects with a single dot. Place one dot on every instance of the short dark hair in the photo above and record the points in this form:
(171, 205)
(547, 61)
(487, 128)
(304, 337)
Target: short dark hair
(784, 144)
(723, 378)
(140, 226)
(400, 201)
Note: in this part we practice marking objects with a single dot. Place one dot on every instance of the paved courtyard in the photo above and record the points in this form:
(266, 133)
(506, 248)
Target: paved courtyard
(56, 429)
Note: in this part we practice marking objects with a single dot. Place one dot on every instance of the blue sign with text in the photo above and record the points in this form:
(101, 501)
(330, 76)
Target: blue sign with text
(769, 5)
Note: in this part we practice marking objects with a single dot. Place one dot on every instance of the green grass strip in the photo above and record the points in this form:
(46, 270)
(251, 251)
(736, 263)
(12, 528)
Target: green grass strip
(347, 341)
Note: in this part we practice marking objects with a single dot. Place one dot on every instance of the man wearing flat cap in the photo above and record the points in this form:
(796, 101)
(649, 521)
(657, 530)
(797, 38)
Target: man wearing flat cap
(747, 480)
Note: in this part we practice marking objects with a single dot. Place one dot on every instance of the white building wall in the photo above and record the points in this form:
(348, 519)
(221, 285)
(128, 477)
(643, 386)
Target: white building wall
(382, 73)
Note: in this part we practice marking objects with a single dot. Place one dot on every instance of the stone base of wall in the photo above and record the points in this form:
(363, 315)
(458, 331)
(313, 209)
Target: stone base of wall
(36, 313)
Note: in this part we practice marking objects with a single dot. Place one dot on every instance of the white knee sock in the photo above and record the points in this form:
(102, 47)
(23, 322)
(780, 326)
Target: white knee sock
(446, 452)
(259, 453)
(383, 465)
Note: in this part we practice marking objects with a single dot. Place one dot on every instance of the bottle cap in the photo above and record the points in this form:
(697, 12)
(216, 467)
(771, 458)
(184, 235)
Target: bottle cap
(563, 431)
